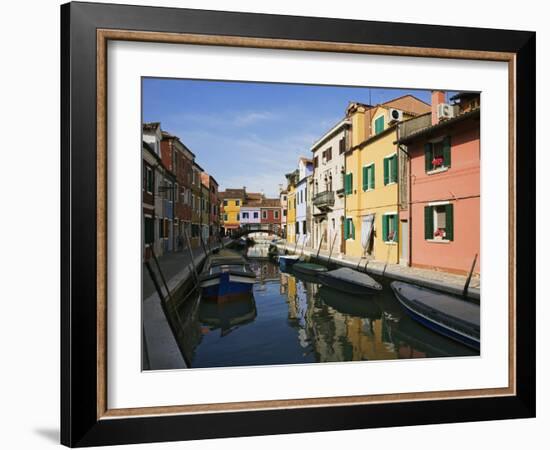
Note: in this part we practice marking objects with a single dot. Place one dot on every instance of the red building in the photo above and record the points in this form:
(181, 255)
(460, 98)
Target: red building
(444, 185)
(177, 158)
(271, 213)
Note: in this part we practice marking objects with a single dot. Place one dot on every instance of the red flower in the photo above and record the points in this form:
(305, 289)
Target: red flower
(436, 162)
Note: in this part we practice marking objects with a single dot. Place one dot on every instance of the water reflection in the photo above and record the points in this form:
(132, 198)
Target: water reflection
(293, 319)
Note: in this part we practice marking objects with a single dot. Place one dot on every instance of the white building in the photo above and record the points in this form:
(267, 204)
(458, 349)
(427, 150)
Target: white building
(328, 200)
(305, 171)
(250, 214)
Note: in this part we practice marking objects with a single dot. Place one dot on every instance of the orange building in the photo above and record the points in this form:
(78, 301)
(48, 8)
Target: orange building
(444, 185)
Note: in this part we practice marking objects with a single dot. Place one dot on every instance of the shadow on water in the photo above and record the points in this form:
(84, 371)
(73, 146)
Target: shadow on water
(291, 318)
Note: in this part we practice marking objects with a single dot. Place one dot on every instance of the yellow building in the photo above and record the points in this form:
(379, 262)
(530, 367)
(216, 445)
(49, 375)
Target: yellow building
(232, 200)
(292, 179)
(372, 227)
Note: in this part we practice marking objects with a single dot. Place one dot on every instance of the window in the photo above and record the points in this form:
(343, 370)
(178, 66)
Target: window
(276, 214)
(390, 169)
(329, 153)
(225, 203)
(368, 177)
(349, 229)
(255, 214)
(284, 198)
(348, 183)
(304, 228)
(315, 162)
(176, 192)
(245, 215)
(237, 203)
(225, 217)
(161, 228)
(379, 125)
(297, 227)
(264, 214)
(342, 145)
(389, 227)
(149, 231)
(437, 155)
(149, 180)
(238, 217)
(439, 222)
(284, 212)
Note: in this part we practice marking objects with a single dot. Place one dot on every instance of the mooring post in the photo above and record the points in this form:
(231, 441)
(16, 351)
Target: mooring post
(331, 247)
(191, 254)
(319, 248)
(467, 285)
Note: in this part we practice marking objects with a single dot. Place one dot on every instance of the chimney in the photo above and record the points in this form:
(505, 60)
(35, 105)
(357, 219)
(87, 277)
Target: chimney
(438, 97)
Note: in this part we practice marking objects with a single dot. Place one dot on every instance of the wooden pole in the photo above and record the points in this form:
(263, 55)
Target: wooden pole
(191, 254)
(319, 248)
(331, 247)
(467, 285)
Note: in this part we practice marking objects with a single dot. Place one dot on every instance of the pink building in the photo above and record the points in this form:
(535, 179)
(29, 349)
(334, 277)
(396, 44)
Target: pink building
(444, 185)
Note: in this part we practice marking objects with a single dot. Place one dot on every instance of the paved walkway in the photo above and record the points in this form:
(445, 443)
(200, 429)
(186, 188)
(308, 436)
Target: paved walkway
(443, 281)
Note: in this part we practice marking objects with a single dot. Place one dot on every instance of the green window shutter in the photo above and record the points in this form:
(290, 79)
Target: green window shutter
(396, 228)
(379, 125)
(371, 177)
(346, 183)
(365, 178)
(385, 228)
(386, 171)
(394, 169)
(447, 151)
(352, 229)
(449, 222)
(346, 229)
(428, 222)
(351, 183)
(428, 156)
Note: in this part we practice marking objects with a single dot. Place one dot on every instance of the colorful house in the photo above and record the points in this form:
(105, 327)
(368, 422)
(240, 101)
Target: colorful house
(270, 214)
(445, 185)
(283, 201)
(292, 180)
(231, 202)
(303, 200)
(372, 227)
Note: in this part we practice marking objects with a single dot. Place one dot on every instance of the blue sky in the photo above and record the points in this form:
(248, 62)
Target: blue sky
(251, 134)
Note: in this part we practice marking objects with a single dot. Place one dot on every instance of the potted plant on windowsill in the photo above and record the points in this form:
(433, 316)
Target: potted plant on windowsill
(437, 163)
(439, 234)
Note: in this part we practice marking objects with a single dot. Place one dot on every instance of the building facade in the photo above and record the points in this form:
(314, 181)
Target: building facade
(231, 202)
(303, 200)
(292, 181)
(283, 200)
(196, 211)
(328, 202)
(445, 187)
(372, 227)
(270, 214)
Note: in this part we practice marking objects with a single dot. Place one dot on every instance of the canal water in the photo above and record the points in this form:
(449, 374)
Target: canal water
(291, 319)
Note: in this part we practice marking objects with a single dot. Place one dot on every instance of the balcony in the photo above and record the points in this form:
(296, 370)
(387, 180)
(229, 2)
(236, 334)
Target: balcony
(324, 200)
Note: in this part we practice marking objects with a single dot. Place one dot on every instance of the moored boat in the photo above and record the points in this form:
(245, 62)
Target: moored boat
(349, 304)
(308, 268)
(445, 314)
(287, 261)
(226, 275)
(350, 281)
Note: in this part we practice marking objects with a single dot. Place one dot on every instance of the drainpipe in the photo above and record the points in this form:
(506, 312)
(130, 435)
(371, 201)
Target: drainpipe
(409, 201)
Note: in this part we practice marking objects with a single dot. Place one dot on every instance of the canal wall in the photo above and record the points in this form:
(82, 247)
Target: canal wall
(441, 281)
(161, 348)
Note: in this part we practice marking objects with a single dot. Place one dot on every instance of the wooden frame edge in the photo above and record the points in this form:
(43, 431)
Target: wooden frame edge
(103, 36)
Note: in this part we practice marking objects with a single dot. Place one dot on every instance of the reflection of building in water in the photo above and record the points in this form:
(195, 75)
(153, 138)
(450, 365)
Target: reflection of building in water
(337, 335)
(283, 283)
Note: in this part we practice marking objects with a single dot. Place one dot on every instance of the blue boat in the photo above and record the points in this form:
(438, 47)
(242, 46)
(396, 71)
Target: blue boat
(447, 315)
(226, 275)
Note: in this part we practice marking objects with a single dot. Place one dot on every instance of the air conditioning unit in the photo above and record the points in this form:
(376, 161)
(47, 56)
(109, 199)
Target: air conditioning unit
(445, 111)
(396, 115)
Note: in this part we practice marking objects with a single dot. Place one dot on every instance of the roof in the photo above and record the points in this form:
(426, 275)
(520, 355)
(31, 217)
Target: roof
(306, 160)
(151, 125)
(462, 95)
(424, 132)
(271, 202)
(330, 133)
(254, 195)
(232, 193)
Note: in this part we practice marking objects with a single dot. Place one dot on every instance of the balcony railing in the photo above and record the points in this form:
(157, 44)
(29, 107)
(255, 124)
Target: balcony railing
(324, 200)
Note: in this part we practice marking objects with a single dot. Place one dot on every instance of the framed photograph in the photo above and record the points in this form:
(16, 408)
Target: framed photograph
(278, 224)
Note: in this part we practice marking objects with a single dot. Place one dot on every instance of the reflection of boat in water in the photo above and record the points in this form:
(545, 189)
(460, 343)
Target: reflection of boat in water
(228, 314)
(415, 341)
(309, 268)
(350, 281)
(349, 304)
(447, 315)
(226, 274)
(302, 276)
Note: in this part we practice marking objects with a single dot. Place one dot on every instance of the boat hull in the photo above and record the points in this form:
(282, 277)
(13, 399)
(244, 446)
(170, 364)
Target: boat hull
(286, 263)
(309, 268)
(226, 286)
(434, 325)
(346, 286)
